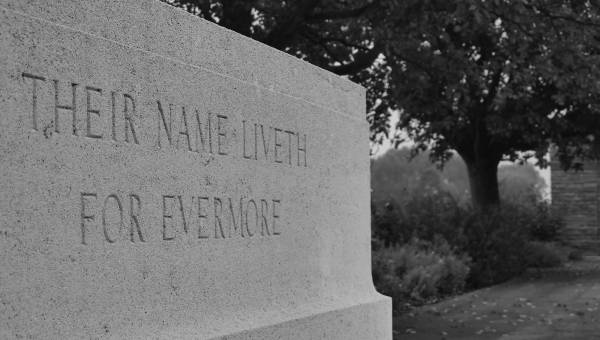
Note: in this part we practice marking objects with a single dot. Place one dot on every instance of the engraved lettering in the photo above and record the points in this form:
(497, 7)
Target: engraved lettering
(185, 226)
(210, 132)
(255, 142)
(218, 223)
(265, 143)
(72, 108)
(276, 146)
(113, 106)
(166, 216)
(244, 141)
(201, 216)
(264, 210)
(104, 224)
(234, 223)
(129, 114)
(184, 130)
(88, 100)
(85, 216)
(220, 133)
(303, 149)
(275, 217)
(250, 234)
(135, 206)
(201, 139)
(167, 127)
(34, 113)
(290, 134)
(198, 138)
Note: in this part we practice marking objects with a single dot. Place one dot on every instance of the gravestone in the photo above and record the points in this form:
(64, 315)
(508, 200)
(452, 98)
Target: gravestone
(165, 178)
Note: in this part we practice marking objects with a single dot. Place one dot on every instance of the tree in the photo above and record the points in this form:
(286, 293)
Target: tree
(494, 80)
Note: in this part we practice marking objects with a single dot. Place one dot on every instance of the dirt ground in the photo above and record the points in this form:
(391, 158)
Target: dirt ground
(551, 304)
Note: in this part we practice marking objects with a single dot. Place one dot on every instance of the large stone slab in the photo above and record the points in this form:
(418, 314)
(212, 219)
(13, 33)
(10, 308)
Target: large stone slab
(165, 178)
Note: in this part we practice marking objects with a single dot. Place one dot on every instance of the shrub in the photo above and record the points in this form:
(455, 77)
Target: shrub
(497, 239)
(544, 226)
(419, 271)
(575, 255)
(497, 243)
(384, 225)
(432, 216)
(385, 280)
(427, 216)
(543, 255)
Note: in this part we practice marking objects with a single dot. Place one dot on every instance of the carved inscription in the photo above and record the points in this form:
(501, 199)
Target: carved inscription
(89, 111)
(273, 144)
(73, 108)
(118, 218)
(100, 213)
(183, 129)
(219, 217)
(65, 112)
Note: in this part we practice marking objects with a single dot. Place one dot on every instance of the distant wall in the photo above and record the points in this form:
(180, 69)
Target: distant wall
(575, 196)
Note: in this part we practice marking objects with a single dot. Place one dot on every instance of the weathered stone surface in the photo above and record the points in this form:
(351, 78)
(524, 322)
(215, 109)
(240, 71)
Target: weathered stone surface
(196, 184)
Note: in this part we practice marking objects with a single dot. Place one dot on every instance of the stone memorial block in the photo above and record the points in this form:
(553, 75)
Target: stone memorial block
(166, 178)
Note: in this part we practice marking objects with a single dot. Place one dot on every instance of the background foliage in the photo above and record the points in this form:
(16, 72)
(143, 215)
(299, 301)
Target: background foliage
(398, 175)
(418, 210)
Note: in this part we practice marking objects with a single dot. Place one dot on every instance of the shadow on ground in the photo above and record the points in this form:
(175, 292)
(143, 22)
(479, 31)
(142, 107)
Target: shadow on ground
(561, 304)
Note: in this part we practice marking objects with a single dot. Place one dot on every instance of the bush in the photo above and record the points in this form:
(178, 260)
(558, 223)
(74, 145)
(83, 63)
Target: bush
(496, 241)
(543, 255)
(575, 255)
(419, 272)
(431, 216)
(544, 226)
(384, 225)
(386, 282)
(425, 217)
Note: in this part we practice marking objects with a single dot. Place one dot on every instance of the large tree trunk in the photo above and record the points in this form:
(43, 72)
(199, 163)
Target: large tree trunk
(483, 180)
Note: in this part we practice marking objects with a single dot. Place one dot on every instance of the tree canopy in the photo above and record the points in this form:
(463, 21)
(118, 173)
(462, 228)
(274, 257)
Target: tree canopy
(494, 80)
(331, 34)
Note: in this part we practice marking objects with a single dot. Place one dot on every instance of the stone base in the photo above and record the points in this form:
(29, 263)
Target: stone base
(371, 320)
(366, 320)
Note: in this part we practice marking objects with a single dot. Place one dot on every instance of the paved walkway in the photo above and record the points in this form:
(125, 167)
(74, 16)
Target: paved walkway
(556, 304)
